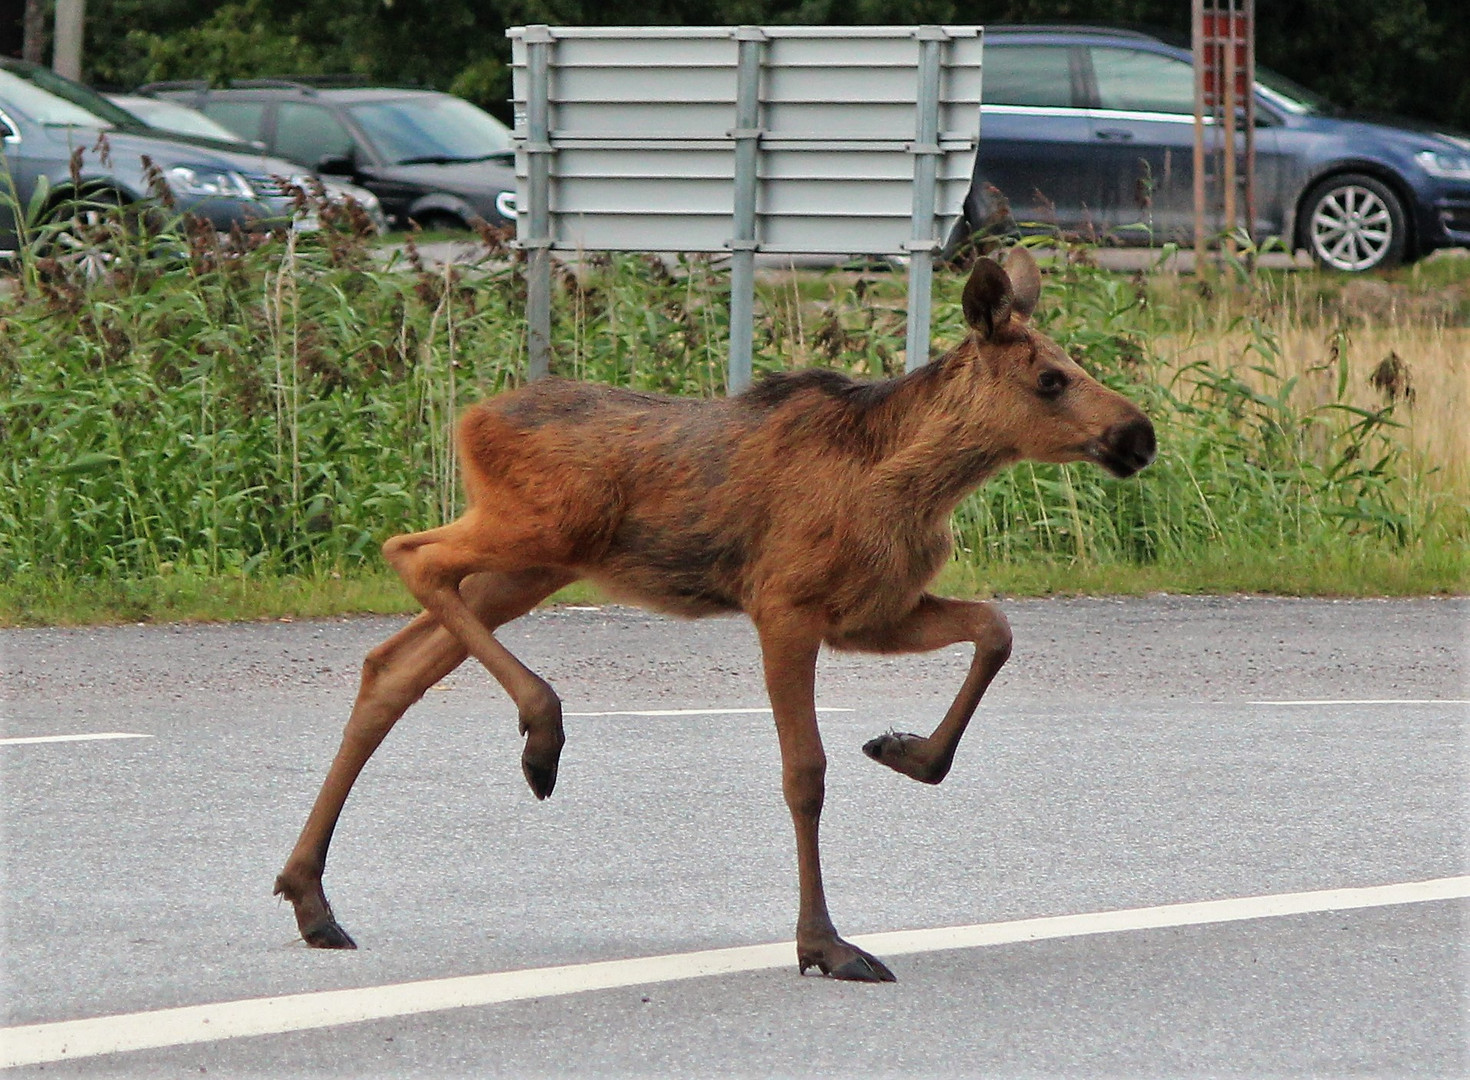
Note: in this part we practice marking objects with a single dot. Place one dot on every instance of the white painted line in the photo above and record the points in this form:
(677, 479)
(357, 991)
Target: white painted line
(68, 1039)
(71, 738)
(1370, 701)
(690, 712)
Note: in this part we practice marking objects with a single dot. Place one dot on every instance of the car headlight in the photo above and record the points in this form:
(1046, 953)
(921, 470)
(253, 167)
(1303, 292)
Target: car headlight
(1445, 164)
(205, 181)
(364, 198)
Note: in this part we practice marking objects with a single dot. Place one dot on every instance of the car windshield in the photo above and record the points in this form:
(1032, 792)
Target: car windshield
(47, 98)
(168, 116)
(1290, 97)
(427, 129)
(44, 108)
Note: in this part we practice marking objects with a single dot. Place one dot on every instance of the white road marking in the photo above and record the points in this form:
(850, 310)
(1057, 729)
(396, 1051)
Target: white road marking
(72, 738)
(1371, 701)
(62, 1041)
(690, 712)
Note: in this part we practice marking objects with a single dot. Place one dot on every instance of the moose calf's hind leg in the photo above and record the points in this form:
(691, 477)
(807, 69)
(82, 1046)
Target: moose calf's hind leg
(394, 676)
(432, 564)
(934, 624)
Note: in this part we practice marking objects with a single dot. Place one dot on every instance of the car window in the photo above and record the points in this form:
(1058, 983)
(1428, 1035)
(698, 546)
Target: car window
(430, 128)
(309, 133)
(245, 118)
(171, 116)
(1036, 75)
(1138, 81)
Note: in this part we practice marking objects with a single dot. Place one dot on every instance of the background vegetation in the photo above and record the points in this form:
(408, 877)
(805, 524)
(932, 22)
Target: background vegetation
(1400, 56)
(215, 417)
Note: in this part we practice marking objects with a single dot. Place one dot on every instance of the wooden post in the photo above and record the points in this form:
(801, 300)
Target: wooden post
(1227, 41)
(1197, 19)
(1249, 37)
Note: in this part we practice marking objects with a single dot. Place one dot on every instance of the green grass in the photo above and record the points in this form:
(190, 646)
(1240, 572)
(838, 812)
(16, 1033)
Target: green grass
(233, 432)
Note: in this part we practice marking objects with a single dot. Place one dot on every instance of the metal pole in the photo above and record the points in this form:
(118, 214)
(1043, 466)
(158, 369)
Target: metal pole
(1197, 32)
(750, 45)
(537, 242)
(923, 242)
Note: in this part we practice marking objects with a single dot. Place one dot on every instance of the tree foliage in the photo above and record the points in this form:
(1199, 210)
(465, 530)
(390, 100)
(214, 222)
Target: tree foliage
(1400, 56)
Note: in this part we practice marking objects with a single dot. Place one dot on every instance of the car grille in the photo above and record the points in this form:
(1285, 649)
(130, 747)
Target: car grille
(267, 187)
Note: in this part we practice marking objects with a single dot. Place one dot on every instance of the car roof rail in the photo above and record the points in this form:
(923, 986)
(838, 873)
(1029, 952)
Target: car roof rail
(1072, 28)
(204, 85)
(326, 82)
(173, 84)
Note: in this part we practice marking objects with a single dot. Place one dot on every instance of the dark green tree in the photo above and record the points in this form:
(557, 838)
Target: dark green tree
(1404, 56)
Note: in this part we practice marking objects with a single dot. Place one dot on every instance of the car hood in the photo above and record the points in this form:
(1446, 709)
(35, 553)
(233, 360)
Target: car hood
(459, 176)
(169, 151)
(1413, 134)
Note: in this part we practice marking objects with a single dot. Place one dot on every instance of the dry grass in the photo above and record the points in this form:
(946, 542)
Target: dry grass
(1425, 367)
(1404, 337)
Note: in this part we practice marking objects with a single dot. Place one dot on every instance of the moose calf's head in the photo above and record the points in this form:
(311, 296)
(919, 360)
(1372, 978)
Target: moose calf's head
(1050, 408)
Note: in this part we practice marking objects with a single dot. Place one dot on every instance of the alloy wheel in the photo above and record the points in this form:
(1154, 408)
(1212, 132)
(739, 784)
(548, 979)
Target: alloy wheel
(1352, 228)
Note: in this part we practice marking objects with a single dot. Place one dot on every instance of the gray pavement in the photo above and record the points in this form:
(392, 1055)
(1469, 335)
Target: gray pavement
(1121, 760)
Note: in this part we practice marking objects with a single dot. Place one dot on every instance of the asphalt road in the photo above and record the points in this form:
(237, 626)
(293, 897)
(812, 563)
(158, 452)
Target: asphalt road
(1133, 754)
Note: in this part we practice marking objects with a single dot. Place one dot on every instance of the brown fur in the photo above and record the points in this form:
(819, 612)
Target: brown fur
(816, 504)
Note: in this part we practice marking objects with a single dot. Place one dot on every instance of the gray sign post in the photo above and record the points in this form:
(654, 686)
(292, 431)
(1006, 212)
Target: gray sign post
(785, 140)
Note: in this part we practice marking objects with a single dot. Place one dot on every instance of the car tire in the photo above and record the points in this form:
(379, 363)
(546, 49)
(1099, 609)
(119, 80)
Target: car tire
(80, 235)
(1354, 223)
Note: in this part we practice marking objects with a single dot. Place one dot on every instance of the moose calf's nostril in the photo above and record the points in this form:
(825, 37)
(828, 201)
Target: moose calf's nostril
(1144, 445)
(1132, 445)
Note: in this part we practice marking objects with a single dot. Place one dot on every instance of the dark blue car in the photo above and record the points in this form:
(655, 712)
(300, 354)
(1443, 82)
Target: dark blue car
(1092, 131)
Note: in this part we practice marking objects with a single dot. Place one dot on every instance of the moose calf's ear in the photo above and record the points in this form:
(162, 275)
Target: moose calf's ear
(988, 298)
(1025, 280)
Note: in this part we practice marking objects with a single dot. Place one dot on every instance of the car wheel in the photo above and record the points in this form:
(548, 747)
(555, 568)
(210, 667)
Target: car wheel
(82, 236)
(1355, 223)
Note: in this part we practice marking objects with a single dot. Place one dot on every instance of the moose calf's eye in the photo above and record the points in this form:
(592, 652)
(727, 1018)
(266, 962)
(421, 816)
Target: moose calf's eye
(1051, 383)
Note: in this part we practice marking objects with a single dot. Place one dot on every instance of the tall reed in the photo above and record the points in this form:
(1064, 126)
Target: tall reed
(255, 404)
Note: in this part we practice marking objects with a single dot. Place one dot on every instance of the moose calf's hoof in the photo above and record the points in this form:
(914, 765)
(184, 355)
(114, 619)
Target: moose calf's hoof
(542, 778)
(327, 935)
(908, 754)
(857, 967)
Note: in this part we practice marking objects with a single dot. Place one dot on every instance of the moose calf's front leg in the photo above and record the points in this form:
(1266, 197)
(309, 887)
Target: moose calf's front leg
(934, 624)
(790, 665)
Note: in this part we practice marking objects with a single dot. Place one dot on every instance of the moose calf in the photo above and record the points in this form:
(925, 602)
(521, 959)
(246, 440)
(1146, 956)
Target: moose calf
(816, 504)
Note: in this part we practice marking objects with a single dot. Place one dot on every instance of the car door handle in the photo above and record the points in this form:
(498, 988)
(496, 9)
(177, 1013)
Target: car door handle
(1115, 134)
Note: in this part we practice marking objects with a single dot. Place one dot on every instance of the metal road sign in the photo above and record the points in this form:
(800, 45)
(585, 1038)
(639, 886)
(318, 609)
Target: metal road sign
(788, 140)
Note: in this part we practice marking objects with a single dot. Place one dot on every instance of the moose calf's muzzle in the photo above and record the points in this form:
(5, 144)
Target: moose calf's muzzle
(1127, 447)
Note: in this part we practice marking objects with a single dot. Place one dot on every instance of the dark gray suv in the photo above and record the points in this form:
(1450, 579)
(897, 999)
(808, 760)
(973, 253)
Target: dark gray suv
(429, 157)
